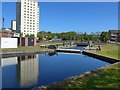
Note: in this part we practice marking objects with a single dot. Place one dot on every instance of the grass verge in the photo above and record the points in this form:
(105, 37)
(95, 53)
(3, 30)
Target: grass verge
(106, 78)
(110, 50)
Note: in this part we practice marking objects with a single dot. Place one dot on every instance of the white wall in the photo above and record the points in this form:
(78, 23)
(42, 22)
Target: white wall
(8, 42)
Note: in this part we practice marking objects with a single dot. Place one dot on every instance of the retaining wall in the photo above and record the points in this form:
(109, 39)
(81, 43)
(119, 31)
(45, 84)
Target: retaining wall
(102, 58)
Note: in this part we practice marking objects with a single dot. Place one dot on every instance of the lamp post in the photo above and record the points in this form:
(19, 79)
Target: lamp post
(3, 24)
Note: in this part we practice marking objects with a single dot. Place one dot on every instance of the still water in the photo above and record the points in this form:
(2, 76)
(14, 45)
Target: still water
(79, 48)
(42, 69)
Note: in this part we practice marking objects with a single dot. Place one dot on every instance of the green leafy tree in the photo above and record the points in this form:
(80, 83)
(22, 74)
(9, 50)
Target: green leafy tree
(40, 35)
(27, 35)
(21, 34)
(31, 35)
(104, 36)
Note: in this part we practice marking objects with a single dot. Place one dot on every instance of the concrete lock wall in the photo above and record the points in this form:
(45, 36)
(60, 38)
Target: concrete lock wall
(8, 42)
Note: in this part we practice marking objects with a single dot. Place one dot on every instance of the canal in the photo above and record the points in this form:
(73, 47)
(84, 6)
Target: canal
(34, 70)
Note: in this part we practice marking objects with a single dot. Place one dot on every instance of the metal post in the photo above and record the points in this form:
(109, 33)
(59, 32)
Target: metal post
(2, 24)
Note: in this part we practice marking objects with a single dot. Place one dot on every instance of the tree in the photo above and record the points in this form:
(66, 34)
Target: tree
(104, 36)
(50, 35)
(27, 35)
(40, 36)
(81, 38)
(21, 34)
(86, 37)
(31, 35)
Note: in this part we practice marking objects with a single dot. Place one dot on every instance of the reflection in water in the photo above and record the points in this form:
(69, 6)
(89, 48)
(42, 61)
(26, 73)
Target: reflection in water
(43, 69)
(8, 61)
(27, 70)
(52, 53)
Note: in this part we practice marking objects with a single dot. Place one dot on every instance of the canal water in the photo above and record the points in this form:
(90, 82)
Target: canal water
(79, 48)
(42, 69)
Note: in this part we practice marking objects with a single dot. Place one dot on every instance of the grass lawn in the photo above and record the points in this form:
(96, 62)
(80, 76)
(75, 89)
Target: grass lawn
(37, 47)
(107, 77)
(110, 50)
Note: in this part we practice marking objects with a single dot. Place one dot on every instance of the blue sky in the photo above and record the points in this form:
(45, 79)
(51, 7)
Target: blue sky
(63, 17)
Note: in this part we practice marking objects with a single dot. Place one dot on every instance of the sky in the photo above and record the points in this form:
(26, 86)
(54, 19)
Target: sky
(67, 0)
(69, 16)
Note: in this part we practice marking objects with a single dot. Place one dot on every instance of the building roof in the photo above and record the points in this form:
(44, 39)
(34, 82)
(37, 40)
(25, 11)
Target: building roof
(114, 31)
(7, 30)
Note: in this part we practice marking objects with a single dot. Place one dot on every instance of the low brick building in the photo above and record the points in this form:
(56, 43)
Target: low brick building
(25, 41)
(6, 34)
(22, 41)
